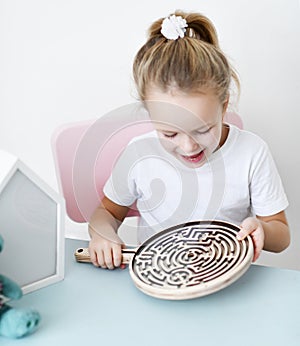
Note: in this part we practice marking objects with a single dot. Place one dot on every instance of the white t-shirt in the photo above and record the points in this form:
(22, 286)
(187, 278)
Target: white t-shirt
(239, 180)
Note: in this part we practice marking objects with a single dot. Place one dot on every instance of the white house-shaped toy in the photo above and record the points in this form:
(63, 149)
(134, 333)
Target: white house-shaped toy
(32, 226)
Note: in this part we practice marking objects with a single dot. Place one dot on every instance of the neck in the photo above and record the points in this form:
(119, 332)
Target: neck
(224, 135)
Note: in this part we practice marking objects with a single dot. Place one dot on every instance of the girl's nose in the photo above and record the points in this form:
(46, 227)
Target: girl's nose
(188, 145)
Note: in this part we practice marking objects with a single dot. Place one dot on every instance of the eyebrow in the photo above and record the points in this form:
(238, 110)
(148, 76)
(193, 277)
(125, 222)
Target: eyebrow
(207, 126)
(167, 131)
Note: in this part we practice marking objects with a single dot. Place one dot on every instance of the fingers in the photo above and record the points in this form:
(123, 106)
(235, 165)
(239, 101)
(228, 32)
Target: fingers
(242, 234)
(251, 226)
(105, 254)
(94, 256)
(112, 256)
(247, 227)
(117, 255)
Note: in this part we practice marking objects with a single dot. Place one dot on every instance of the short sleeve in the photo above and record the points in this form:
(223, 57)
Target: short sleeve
(266, 189)
(120, 187)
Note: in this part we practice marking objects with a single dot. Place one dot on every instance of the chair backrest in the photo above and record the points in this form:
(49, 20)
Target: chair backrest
(84, 155)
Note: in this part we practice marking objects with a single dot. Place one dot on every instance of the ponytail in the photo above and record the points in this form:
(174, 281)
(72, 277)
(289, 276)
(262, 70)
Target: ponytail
(192, 63)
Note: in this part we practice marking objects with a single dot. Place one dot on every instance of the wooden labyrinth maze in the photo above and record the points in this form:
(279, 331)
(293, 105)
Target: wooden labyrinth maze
(193, 260)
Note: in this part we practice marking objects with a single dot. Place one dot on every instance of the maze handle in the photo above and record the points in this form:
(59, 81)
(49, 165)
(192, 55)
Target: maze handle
(83, 255)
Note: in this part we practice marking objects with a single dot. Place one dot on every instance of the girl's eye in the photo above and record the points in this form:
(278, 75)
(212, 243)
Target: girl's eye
(170, 135)
(204, 132)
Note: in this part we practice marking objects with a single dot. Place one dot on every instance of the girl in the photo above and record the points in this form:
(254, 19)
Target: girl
(193, 166)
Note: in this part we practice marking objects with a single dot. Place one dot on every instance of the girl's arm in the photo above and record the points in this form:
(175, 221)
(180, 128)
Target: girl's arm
(105, 245)
(270, 233)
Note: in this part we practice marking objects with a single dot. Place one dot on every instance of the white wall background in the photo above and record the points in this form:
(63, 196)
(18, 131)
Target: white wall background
(68, 60)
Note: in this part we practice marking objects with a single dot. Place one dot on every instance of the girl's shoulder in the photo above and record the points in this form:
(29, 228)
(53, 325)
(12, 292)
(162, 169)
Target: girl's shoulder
(149, 134)
(245, 137)
(244, 145)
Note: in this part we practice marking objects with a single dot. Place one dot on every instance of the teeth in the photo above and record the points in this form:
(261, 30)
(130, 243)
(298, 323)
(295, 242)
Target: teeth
(193, 156)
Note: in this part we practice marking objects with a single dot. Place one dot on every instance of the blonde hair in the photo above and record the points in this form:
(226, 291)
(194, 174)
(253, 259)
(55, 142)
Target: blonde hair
(194, 63)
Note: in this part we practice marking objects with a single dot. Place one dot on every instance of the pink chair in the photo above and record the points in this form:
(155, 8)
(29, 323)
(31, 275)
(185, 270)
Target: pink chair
(234, 119)
(84, 155)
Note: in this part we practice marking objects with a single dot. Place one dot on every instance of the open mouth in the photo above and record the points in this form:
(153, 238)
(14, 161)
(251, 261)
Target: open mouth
(194, 158)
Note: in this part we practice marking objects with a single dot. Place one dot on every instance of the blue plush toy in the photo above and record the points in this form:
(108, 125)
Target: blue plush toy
(14, 323)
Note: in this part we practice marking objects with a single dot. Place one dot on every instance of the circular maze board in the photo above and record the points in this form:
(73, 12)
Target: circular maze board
(191, 260)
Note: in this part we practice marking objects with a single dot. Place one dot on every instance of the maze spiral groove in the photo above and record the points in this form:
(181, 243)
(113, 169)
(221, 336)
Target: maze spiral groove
(191, 255)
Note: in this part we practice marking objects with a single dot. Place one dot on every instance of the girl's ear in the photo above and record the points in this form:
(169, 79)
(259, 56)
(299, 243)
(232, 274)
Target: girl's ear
(225, 105)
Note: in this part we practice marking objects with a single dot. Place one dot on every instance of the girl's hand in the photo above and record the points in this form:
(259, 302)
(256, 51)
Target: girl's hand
(253, 227)
(105, 246)
(105, 253)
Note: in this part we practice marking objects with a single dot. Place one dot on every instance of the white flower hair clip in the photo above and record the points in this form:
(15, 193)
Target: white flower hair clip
(173, 27)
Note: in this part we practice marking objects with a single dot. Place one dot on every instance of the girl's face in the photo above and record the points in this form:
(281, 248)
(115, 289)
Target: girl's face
(189, 126)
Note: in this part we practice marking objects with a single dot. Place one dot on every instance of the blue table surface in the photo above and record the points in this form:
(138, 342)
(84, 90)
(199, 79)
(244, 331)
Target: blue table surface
(102, 307)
